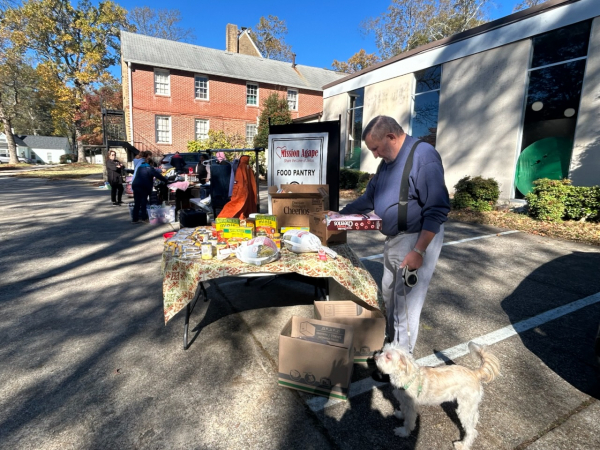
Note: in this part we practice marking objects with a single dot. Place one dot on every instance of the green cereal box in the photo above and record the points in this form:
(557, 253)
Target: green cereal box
(238, 232)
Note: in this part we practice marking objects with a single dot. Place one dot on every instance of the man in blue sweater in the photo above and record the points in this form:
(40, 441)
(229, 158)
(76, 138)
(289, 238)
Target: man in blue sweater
(419, 246)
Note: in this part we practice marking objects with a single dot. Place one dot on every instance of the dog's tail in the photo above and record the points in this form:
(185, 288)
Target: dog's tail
(490, 365)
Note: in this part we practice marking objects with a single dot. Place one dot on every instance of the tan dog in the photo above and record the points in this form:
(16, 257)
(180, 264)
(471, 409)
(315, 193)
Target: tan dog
(415, 386)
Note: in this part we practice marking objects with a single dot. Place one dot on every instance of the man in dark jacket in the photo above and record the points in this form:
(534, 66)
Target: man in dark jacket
(178, 162)
(114, 177)
(142, 187)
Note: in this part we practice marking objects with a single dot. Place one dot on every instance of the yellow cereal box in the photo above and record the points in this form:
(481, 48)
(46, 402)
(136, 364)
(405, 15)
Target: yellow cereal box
(222, 223)
(266, 223)
(238, 232)
(284, 229)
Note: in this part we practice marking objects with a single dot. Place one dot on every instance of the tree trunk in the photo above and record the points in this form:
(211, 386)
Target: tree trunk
(79, 143)
(10, 138)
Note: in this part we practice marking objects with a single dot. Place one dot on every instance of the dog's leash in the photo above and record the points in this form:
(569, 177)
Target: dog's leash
(406, 311)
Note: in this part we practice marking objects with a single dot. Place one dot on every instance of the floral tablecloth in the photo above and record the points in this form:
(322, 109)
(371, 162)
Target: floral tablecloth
(181, 277)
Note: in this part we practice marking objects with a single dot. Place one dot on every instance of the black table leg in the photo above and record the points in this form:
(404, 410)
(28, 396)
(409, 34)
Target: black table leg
(188, 312)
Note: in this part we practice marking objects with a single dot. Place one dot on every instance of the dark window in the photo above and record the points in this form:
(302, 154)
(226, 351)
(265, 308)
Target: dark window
(552, 105)
(355, 128)
(563, 44)
(428, 79)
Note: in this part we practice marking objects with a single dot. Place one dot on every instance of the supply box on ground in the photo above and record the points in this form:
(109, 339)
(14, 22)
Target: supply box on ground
(318, 227)
(316, 357)
(368, 326)
(294, 202)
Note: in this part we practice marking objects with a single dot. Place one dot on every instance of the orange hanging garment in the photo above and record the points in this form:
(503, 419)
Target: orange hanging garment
(243, 195)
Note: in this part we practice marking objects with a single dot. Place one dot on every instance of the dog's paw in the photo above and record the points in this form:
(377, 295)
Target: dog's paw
(398, 414)
(458, 445)
(401, 431)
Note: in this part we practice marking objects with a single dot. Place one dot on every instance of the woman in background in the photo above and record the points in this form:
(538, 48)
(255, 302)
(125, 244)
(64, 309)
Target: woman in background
(142, 187)
(114, 175)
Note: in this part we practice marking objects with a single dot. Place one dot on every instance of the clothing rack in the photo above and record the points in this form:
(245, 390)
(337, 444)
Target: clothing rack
(256, 151)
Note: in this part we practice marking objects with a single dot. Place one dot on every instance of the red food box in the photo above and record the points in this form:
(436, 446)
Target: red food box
(357, 222)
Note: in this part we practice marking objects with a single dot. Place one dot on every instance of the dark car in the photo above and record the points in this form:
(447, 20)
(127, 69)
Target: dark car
(191, 160)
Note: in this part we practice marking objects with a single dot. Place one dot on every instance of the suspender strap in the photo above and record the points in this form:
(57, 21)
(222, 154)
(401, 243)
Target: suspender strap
(404, 185)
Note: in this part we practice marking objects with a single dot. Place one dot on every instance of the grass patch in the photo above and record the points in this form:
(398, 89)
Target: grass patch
(64, 172)
(585, 232)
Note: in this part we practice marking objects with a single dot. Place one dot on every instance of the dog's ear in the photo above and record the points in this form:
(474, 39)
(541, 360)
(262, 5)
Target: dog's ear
(402, 362)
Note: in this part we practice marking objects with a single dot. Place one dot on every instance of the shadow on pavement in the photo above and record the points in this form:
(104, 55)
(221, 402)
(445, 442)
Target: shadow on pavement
(565, 344)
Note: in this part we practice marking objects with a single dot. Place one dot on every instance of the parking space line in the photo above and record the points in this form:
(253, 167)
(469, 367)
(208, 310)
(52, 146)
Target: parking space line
(368, 258)
(317, 404)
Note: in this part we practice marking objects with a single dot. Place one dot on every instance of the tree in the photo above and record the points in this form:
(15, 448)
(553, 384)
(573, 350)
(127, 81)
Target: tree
(217, 139)
(161, 23)
(269, 35)
(527, 4)
(276, 111)
(408, 24)
(75, 46)
(357, 62)
(13, 82)
(108, 96)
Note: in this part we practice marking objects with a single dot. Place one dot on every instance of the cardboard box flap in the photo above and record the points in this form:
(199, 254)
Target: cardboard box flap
(331, 309)
(300, 190)
(319, 331)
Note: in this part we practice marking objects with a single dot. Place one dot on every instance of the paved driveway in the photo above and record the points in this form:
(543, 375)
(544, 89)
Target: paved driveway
(87, 362)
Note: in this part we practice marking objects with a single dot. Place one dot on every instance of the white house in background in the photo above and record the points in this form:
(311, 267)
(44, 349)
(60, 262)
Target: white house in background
(46, 149)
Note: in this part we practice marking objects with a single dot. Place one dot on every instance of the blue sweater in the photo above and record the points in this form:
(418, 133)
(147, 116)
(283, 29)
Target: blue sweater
(428, 200)
(144, 177)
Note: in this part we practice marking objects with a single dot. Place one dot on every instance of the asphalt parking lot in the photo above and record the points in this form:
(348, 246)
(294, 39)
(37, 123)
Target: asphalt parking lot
(86, 361)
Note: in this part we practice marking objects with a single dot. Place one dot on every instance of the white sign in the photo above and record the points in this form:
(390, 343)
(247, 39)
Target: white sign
(298, 158)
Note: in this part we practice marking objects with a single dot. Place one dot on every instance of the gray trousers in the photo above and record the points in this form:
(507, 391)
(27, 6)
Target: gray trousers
(396, 248)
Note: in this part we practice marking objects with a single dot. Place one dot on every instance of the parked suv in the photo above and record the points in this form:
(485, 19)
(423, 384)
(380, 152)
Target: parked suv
(191, 160)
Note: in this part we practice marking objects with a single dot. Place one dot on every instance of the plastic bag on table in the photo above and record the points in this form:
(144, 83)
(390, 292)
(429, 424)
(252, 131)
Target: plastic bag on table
(299, 241)
(258, 251)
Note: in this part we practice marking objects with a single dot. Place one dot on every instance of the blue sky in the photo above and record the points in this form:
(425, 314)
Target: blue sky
(318, 31)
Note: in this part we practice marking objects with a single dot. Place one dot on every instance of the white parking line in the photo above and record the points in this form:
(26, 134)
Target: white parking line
(359, 387)
(368, 258)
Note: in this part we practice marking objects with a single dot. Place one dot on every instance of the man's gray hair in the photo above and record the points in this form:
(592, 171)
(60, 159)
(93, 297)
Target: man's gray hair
(379, 126)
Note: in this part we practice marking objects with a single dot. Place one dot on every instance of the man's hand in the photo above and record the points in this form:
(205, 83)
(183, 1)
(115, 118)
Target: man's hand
(413, 260)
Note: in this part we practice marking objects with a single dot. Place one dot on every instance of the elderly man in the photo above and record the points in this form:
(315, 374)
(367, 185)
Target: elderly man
(417, 243)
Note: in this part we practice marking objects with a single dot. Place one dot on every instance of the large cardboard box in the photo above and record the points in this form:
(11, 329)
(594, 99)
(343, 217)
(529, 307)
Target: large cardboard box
(296, 201)
(318, 227)
(368, 326)
(316, 356)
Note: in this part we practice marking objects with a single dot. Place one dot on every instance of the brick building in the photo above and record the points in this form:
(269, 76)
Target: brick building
(175, 92)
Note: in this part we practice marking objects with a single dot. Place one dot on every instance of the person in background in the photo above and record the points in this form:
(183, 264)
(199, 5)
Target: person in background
(178, 162)
(428, 206)
(203, 170)
(114, 175)
(142, 187)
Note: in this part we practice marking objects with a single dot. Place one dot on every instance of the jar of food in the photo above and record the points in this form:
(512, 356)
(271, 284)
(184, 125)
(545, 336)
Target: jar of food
(207, 250)
(277, 240)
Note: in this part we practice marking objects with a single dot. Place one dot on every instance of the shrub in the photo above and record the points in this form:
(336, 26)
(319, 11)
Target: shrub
(556, 200)
(68, 158)
(479, 194)
(354, 179)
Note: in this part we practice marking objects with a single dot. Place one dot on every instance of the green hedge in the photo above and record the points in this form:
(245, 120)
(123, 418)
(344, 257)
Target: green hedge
(479, 194)
(354, 179)
(556, 200)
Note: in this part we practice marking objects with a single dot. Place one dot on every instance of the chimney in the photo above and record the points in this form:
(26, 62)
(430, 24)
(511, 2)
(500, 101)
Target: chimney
(231, 38)
(293, 60)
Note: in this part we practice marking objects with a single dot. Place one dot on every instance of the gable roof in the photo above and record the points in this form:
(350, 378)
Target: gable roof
(45, 142)
(151, 51)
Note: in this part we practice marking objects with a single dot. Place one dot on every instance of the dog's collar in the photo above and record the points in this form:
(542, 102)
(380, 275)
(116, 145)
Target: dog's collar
(420, 388)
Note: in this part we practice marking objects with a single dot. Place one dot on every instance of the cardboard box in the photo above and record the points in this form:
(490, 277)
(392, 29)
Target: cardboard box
(318, 227)
(284, 229)
(238, 232)
(368, 326)
(266, 223)
(316, 357)
(296, 201)
(360, 222)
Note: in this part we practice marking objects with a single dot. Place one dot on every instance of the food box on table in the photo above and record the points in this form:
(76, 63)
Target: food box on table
(364, 222)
